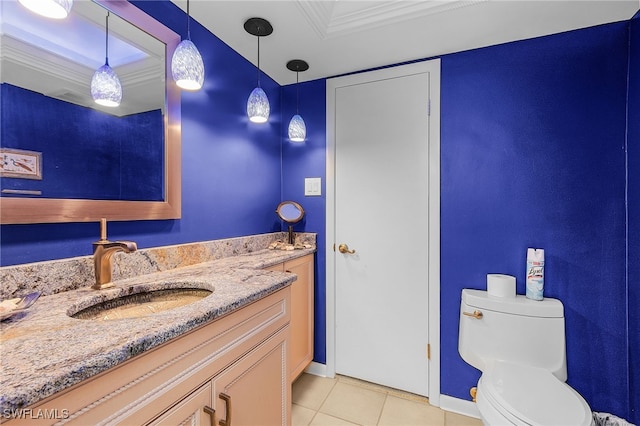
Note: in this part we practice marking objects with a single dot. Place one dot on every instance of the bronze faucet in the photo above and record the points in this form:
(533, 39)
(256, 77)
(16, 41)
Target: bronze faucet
(103, 250)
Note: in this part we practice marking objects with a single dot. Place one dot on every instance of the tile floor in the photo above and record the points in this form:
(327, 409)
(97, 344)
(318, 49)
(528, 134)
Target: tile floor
(347, 401)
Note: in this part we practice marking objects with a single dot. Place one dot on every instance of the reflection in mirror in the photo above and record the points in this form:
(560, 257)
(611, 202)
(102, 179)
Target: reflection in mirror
(88, 151)
(89, 154)
(290, 212)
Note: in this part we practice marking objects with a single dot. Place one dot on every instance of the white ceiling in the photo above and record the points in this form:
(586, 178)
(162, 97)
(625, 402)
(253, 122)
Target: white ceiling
(342, 36)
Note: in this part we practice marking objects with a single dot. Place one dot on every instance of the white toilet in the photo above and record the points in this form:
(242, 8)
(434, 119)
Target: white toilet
(519, 345)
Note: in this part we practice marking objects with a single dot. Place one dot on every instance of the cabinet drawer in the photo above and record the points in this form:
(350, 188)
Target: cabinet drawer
(277, 268)
(193, 410)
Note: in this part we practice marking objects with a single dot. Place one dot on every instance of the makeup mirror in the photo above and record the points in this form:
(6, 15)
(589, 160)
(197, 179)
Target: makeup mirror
(290, 212)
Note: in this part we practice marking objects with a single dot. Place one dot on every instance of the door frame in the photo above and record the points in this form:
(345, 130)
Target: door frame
(433, 111)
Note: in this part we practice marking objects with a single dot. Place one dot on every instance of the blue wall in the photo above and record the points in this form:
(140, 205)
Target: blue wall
(231, 167)
(533, 137)
(303, 160)
(633, 232)
(85, 153)
(533, 154)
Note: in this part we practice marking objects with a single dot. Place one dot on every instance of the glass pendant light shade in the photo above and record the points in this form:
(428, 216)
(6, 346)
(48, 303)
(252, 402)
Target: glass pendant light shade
(106, 89)
(56, 9)
(297, 129)
(187, 67)
(258, 106)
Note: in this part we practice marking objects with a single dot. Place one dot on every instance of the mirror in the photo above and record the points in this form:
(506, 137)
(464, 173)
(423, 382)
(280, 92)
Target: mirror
(290, 212)
(159, 199)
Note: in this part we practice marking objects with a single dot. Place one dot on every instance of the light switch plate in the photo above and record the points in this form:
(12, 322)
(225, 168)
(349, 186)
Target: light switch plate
(312, 187)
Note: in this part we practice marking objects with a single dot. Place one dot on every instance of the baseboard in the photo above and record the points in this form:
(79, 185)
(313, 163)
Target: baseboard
(460, 406)
(317, 369)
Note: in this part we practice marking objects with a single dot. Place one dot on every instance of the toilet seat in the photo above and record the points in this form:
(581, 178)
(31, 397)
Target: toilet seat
(526, 395)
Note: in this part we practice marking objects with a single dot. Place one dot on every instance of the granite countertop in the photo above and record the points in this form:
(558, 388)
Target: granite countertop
(43, 350)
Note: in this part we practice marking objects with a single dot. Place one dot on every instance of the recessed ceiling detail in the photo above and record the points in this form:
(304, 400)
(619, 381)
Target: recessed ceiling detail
(335, 18)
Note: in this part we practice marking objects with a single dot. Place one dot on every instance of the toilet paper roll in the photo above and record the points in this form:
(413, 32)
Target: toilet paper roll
(501, 285)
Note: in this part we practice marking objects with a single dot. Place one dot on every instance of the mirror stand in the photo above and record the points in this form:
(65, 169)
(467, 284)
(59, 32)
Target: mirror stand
(290, 212)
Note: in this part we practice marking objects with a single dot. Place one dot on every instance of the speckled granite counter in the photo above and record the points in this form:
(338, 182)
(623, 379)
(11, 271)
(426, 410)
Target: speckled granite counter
(43, 350)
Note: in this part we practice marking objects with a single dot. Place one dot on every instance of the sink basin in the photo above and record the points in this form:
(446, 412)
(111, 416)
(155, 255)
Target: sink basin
(141, 304)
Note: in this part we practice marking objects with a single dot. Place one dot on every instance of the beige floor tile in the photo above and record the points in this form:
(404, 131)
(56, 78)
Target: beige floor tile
(404, 412)
(310, 391)
(381, 388)
(354, 403)
(326, 420)
(301, 416)
(453, 419)
(362, 383)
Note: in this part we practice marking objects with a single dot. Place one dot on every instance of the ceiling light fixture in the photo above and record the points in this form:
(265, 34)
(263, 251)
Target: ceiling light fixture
(258, 104)
(187, 67)
(297, 128)
(106, 89)
(56, 9)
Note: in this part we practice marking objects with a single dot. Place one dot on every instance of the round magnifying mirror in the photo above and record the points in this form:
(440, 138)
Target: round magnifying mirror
(291, 212)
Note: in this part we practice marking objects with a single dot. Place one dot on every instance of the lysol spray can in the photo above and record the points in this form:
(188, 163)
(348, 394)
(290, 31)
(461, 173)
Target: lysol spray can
(535, 273)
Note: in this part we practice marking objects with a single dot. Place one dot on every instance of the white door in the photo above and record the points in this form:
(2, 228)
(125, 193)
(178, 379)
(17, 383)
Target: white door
(380, 176)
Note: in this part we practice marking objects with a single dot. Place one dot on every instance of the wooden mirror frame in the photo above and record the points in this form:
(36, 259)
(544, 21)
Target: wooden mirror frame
(14, 210)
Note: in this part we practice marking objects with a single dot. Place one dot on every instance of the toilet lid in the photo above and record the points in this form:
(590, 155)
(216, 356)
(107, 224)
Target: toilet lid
(533, 395)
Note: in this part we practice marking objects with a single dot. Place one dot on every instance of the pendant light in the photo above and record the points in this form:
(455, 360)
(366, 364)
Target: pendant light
(187, 67)
(297, 128)
(56, 9)
(258, 104)
(106, 89)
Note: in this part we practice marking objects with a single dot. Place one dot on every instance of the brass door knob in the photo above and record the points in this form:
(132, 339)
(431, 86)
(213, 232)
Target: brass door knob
(343, 248)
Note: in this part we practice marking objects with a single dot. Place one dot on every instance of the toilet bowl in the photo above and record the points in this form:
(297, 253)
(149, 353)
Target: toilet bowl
(511, 394)
(519, 346)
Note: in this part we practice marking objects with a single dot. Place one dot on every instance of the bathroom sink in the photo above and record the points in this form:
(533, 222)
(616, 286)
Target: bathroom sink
(141, 304)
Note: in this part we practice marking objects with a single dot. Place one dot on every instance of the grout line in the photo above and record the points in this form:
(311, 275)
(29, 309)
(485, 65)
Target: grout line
(386, 397)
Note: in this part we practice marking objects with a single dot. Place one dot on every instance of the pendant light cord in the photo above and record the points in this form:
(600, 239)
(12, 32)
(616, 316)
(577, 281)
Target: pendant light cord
(188, 22)
(106, 48)
(297, 92)
(258, 61)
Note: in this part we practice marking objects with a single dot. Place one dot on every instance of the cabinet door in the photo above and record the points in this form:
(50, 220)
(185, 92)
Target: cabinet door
(301, 347)
(195, 409)
(254, 390)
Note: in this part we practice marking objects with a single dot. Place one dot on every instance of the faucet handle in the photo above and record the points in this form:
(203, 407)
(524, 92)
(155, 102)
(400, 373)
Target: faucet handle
(128, 246)
(103, 229)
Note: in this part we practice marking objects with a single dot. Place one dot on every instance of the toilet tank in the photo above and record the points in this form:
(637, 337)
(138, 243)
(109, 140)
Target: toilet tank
(518, 330)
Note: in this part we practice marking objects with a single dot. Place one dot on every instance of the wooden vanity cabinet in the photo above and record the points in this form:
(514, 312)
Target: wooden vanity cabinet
(301, 325)
(236, 365)
(248, 392)
(195, 409)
